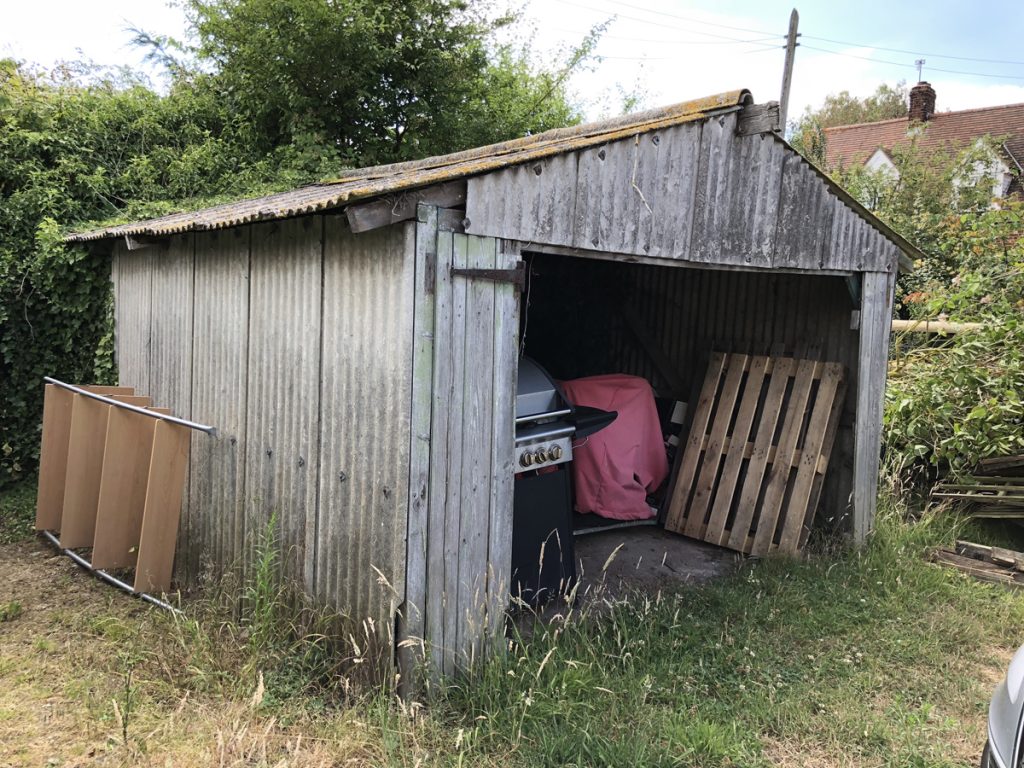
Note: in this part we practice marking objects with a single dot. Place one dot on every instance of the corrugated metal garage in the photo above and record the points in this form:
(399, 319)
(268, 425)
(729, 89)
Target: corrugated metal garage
(363, 386)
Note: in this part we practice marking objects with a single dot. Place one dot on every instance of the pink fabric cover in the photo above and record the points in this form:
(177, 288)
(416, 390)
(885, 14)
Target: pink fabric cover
(614, 469)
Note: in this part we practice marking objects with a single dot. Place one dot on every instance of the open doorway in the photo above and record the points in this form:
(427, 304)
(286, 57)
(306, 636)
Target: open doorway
(651, 329)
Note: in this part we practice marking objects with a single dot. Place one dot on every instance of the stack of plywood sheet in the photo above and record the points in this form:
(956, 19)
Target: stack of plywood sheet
(111, 479)
(752, 468)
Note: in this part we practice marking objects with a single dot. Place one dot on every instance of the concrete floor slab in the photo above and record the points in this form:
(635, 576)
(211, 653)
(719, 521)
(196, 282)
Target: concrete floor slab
(647, 559)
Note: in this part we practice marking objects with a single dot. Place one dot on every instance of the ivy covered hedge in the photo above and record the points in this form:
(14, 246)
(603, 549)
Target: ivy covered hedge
(263, 96)
(71, 153)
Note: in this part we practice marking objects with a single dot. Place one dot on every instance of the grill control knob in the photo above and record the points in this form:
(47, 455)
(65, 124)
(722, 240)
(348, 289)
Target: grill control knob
(555, 453)
(526, 459)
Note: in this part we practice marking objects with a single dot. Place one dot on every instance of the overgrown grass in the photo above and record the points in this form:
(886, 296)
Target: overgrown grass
(871, 657)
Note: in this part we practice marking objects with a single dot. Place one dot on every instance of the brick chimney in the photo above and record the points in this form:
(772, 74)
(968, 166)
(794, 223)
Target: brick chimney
(922, 102)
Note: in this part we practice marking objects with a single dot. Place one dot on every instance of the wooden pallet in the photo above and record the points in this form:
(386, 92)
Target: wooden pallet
(752, 468)
(993, 564)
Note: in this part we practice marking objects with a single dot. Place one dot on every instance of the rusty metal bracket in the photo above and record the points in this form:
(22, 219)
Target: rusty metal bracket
(515, 276)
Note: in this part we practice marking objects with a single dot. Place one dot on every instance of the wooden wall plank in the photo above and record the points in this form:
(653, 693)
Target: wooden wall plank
(412, 632)
(442, 414)
(453, 502)
(506, 361)
(122, 494)
(164, 490)
(476, 436)
(695, 192)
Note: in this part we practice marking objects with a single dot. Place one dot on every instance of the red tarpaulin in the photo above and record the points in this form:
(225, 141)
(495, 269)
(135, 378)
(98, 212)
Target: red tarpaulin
(614, 469)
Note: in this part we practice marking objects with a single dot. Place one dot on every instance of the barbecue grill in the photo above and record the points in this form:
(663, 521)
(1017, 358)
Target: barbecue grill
(543, 558)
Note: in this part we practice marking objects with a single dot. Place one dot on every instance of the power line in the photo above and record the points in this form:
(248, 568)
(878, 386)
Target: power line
(668, 42)
(904, 64)
(676, 58)
(805, 45)
(659, 24)
(915, 53)
(688, 18)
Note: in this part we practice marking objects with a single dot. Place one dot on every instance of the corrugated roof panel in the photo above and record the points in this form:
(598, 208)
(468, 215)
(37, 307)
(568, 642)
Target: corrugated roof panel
(365, 183)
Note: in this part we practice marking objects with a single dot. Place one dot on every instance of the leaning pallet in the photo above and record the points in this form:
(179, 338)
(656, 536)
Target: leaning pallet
(751, 472)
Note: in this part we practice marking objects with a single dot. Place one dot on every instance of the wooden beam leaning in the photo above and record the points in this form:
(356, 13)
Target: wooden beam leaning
(690, 455)
(53, 457)
(164, 488)
(53, 454)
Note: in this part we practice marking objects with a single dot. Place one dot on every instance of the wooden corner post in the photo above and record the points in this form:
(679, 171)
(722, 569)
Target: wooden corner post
(873, 357)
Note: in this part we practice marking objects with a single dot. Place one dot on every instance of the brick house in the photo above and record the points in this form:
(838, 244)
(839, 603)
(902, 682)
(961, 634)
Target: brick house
(871, 144)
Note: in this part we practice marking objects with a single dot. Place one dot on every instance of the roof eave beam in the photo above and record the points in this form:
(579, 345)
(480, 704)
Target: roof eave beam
(759, 118)
(385, 211)
(138, 242)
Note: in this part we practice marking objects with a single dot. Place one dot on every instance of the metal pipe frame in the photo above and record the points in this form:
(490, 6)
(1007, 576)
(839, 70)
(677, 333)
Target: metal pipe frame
(211, 431)
(112, 580)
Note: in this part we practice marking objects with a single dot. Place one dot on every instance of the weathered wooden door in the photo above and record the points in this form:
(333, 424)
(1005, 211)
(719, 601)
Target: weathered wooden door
(460, 528)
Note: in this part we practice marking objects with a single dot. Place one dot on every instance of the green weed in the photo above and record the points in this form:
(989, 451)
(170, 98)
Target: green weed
(10, 611)
(17, 512)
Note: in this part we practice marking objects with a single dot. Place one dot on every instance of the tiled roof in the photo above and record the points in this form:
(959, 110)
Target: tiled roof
(849, 144)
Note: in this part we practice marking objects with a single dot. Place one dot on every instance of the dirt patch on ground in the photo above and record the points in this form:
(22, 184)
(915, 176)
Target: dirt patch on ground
(647, 559)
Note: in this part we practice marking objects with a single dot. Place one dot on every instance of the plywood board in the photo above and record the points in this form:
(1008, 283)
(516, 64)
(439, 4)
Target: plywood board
(84, 469)
(53, 456)
(166, 484)
(53, 453)
(122, 489)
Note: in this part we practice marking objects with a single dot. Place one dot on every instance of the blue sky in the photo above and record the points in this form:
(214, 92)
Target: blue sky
(670, 50)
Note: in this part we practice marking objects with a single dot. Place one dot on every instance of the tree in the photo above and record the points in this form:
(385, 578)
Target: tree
(362, 82)
(807, 134)
(269, 95)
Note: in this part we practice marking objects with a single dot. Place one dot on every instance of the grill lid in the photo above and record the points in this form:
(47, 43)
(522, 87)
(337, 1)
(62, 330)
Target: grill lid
(535, 391)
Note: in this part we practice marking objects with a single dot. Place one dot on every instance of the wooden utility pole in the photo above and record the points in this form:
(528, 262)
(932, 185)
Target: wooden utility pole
(787, 70)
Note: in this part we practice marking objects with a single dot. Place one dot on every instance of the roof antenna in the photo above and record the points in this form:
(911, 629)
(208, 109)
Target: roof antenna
(920, 66)
(787, 69)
